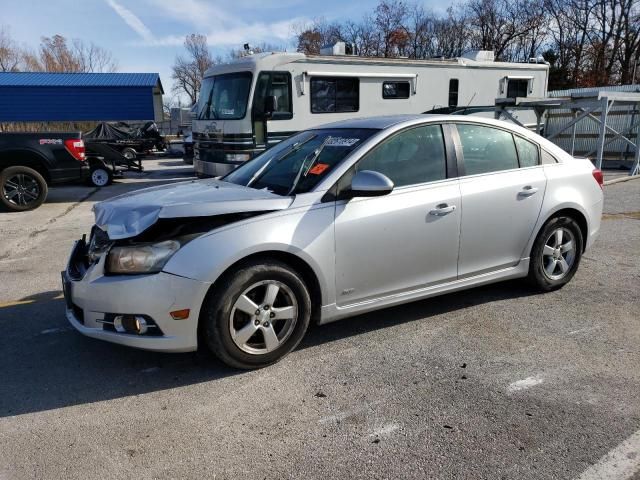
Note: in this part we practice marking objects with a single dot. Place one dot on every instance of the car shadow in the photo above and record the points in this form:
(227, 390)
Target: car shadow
(49, 365)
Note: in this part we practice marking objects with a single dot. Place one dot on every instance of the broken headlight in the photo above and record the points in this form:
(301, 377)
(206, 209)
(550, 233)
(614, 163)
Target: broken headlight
(142, 258)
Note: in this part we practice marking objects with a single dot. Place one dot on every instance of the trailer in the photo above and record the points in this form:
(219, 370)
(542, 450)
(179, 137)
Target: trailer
(252, 103)
(131, 142)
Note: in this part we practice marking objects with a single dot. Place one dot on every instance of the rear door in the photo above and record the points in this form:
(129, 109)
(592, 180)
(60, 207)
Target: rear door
(502, 189)
(405, 240)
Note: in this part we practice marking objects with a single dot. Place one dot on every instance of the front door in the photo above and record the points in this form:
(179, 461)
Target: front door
(405, 240)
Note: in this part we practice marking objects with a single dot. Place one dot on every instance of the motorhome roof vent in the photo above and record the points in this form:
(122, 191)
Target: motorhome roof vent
(480, 55)
(338, 48)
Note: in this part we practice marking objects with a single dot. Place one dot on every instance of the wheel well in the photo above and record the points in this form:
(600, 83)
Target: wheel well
(20, 158)
(578, 217)
(296, 263)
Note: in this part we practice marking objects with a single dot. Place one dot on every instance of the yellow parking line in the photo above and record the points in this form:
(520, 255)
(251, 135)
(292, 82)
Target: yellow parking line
(14, 304)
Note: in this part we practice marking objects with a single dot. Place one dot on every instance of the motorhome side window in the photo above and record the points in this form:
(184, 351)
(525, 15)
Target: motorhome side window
(395, 90)
(453, 92)
(332, 95)
(273, 84)
(517, 88)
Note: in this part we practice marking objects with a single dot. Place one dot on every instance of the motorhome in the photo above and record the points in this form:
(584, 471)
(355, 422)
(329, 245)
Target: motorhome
(254, 102)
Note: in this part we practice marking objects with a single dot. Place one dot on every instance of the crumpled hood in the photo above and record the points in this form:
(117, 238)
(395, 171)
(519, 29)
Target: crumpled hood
(130, 214)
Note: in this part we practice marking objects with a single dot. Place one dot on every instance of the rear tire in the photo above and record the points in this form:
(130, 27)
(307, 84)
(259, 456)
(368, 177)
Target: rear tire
(556, 254)
(21, 189)
(244, 320)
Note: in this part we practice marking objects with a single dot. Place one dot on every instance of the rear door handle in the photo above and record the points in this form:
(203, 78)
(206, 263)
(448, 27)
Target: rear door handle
(442, 209)
(527, 191)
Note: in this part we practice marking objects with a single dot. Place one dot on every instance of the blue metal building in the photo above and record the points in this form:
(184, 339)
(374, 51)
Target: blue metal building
(37, 96)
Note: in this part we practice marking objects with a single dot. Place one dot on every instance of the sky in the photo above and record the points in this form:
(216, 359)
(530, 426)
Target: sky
(146, 35)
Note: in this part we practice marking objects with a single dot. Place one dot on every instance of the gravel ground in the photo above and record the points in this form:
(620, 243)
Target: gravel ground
(496, 382)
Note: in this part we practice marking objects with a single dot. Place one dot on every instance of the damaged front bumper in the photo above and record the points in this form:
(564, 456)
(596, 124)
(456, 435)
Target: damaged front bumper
(94, 300)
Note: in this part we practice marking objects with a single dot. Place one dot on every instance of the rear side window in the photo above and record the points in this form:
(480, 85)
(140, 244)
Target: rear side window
(395, 90)
(410, 157)
(527, 152)
(333, 95)
(487, 149)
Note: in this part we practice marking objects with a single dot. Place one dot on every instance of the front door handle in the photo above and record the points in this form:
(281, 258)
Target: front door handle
(442, 209)
(527, 191)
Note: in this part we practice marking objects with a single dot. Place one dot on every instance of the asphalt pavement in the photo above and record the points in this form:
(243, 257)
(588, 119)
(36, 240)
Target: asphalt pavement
(497, 382)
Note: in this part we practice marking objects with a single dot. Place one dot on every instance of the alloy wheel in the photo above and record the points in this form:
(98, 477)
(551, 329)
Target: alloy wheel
(263, 317)
(559, 253)
(21, 189)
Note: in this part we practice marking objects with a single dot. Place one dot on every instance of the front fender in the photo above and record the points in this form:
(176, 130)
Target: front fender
(305, 232)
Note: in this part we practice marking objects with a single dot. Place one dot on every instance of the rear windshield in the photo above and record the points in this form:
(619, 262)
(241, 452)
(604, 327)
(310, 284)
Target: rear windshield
(299, 163)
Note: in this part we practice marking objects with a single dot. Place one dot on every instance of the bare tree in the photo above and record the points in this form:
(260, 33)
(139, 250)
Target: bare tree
(390, 17)
(451, 34)
(629, 52)
(188, 71)
(10, 55)
(57, 55)
(498, 24)
(311, 37)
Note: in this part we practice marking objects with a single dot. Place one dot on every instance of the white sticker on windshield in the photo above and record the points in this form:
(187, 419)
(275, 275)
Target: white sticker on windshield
(341, 142)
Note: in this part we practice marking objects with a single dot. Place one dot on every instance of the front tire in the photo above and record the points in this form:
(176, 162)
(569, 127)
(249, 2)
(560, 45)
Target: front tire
(556, 254)
(258, 314)
(22, 188)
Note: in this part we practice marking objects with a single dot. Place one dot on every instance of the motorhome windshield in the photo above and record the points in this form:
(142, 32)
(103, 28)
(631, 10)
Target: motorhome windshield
(297, 165)
(224, 97)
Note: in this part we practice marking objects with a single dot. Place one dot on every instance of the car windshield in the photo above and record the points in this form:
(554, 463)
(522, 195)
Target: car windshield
(297, 165)
(224, 97)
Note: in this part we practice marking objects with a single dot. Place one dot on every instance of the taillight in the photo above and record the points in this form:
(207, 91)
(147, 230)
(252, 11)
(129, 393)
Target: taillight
(75, 148)
(599, 177)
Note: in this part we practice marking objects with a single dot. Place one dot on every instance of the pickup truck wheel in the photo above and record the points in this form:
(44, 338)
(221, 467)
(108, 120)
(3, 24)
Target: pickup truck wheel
(257, 315)
(100, 176)
(22, 188)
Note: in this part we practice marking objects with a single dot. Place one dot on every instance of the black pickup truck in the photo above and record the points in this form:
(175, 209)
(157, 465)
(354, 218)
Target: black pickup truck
(31, 161)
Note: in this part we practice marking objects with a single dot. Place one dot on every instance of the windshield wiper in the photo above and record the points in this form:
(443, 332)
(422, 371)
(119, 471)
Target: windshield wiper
(304, 168)
(293, 148)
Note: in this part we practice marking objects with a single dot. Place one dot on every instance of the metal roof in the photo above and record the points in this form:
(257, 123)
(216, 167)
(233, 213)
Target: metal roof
(46, 79)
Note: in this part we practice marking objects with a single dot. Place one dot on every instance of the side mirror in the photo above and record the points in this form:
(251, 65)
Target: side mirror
(368, 183)
(270, 105)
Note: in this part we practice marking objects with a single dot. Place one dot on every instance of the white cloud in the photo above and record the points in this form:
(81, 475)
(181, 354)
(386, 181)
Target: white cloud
(132, 20)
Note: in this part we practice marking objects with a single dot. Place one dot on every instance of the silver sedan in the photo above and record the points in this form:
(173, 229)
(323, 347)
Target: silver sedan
(335, 221)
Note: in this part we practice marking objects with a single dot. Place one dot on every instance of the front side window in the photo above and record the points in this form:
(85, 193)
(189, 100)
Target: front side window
(517, 88)
(299, 163)
(334, 95)
(527, 152)
(410, 157)
(224, 97)
(276, 84)
(392, 90)
(487, 149)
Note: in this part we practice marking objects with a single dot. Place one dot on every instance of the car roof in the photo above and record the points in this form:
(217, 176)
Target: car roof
(400, 121)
